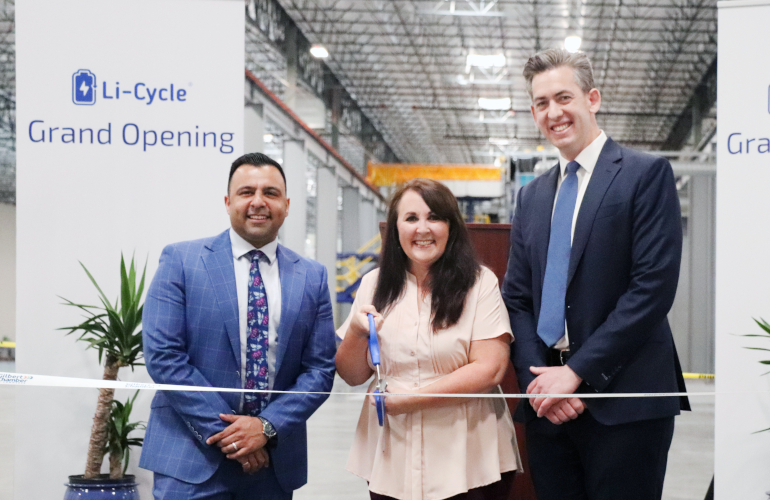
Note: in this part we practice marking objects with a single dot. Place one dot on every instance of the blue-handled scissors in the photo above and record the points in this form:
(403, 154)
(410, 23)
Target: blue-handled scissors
(379, 388)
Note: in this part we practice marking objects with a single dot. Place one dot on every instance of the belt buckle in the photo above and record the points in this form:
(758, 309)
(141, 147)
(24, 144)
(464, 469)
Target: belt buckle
(563, 356)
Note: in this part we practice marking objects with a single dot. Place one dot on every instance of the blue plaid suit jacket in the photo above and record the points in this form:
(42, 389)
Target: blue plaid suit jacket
(191, 337)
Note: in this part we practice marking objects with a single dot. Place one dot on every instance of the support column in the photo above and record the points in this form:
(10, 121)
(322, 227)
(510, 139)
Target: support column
(367, 222)
(294, 230)
(351, 209)
(703, 271)
(253, 129)
(326, 243)
(7, 271)
(351, 212)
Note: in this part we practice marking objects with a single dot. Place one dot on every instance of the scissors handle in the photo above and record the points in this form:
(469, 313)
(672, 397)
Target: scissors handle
(374, 351)
(374, 346)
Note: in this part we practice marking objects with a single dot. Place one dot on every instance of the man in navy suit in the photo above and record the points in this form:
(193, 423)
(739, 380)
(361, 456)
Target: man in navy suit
(596, 244)
(237, 310)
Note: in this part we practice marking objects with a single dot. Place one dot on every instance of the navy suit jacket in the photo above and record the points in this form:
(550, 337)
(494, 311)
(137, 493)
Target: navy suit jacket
(191, 337)
(623, 274)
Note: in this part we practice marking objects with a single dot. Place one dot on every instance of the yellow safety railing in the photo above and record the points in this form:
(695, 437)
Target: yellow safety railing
(8, 345)
(698, 375)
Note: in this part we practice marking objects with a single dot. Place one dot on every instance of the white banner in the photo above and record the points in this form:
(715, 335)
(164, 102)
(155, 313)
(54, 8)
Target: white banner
(129, 113)
(742, 459)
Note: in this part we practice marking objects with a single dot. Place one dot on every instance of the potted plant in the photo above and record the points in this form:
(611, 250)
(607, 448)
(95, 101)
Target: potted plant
(115, 331)
(119, 441)
(765, 326)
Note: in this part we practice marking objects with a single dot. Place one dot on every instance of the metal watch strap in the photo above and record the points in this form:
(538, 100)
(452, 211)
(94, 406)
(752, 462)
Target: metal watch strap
(267, 428)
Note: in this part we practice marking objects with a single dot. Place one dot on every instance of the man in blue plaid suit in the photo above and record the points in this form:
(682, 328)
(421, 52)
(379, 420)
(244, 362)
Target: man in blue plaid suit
(199, 330)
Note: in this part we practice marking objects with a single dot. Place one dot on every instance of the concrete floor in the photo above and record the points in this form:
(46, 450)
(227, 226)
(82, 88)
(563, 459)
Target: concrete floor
(690, 462)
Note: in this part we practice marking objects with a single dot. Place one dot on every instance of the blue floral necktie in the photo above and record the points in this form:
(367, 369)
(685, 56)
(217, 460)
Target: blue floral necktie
(550, 324)
(257, 340)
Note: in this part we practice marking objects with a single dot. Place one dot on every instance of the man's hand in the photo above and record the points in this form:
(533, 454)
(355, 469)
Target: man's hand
(565, 410)
(551, 380)
(241, 438)
(253, 462)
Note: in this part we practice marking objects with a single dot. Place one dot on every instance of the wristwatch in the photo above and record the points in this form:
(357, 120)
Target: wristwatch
(267, 429)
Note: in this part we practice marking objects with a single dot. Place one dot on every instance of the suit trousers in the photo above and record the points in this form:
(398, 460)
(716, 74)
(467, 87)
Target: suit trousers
(229, 482)
(586, 460)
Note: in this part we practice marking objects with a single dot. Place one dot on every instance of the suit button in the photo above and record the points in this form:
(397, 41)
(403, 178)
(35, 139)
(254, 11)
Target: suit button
(411, 353)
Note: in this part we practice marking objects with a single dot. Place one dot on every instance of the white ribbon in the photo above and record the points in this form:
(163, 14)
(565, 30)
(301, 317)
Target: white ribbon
(21, 379)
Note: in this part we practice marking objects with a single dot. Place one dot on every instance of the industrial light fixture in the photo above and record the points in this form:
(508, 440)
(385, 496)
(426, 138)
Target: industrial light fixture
(319, 52)
(499, 141)
(499, 104)
(268, 138)
(485, 60)
(572, 43)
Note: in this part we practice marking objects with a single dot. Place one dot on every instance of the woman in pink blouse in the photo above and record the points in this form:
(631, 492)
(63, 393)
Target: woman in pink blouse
(443, 328)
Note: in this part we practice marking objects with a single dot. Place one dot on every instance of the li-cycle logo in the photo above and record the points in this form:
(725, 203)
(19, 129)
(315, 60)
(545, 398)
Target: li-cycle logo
(136, 128)
(85, 90)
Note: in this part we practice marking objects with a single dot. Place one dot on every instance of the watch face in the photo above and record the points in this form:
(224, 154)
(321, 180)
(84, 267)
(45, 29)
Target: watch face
(268, 429)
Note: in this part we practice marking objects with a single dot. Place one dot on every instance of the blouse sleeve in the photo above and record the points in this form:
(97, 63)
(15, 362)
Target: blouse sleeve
(491, 319)
(364, 296)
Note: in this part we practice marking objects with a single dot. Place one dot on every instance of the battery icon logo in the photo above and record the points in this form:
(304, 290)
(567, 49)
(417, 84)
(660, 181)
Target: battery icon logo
(83, 87)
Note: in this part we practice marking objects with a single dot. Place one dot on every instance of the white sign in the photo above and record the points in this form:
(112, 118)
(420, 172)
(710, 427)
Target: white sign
(742, 459)
(129, 113)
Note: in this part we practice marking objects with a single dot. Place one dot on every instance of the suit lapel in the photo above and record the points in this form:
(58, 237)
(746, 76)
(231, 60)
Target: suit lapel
(292, 289)
(542, 210)
(219, 266)
(607, 167)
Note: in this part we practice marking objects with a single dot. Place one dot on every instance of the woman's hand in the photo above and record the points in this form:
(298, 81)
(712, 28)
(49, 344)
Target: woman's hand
(397, 405)
(359, 323)
(351, 358)
(487, 362)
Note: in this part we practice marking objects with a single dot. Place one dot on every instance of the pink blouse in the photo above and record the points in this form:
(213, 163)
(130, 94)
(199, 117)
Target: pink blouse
(434, 453)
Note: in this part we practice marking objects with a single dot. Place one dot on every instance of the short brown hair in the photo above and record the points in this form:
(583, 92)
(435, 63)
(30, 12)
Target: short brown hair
(555, 58)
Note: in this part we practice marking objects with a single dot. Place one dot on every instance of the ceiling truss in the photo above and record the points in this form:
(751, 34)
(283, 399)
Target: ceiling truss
(404, 61)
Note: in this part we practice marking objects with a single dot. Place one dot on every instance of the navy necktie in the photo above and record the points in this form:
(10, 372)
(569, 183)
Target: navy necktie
(550, 324)
(257, 340)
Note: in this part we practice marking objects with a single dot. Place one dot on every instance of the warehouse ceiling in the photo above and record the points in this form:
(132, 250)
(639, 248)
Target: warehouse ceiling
(406, 64)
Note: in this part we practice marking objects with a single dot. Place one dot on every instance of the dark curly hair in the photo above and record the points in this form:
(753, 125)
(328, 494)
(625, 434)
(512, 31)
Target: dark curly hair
(454, 273)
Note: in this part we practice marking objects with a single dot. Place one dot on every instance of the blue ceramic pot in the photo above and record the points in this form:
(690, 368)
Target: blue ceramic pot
(101, 488)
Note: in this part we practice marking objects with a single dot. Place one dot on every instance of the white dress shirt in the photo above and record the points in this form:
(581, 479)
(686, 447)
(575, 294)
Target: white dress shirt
(268, 268)
(587, 160)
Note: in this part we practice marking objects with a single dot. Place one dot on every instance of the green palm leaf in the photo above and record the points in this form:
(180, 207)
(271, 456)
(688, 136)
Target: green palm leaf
(765, 326)
(114, 329)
